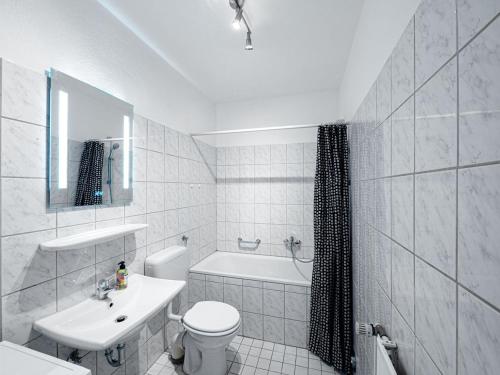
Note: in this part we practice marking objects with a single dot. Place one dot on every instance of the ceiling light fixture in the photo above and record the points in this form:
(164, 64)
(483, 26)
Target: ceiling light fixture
(248, 43)
(237, 20)
(237, 5)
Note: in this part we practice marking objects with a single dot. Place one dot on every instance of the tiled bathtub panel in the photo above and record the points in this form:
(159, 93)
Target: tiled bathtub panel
(275, 312)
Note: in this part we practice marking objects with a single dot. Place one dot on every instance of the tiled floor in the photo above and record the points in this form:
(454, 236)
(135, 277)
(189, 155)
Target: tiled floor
(248, 356)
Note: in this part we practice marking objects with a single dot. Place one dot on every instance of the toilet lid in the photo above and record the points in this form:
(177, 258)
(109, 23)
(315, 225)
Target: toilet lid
(212, 316)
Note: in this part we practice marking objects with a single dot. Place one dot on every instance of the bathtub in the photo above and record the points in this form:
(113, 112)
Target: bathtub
(256, 267)
(271, 293)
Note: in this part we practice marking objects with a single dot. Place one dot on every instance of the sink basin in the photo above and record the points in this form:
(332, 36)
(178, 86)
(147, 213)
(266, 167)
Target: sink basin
(99, 324)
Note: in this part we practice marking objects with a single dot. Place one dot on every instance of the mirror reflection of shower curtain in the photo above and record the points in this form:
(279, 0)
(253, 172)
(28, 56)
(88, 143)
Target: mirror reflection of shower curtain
(331, 287)
(89, 186)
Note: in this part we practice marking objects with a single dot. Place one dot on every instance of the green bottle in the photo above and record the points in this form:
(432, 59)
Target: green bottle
(122, 276)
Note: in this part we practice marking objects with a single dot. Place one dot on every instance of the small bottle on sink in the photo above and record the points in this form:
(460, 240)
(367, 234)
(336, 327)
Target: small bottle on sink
(121, 276)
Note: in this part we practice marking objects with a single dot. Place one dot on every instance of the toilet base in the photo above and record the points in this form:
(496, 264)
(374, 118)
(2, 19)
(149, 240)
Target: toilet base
(212, 351)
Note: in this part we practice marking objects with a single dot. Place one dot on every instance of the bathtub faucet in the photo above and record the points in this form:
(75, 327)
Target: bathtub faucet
(291, 242)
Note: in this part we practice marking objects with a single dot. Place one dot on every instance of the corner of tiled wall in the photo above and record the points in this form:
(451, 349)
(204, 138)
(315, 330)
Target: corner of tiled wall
(266, 192)
(425, 194)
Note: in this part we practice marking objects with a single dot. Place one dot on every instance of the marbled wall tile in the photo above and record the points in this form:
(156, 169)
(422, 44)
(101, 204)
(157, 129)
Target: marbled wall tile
(24, 206)
(23, 263)
(478, 332)
(252, 300)
(75, 216)
(383, 262)
(156, 228)
(156, 346)
(295, 306)
(253, 325)
(436, 121)
(274, 303)
(479, 98)
(171, 168)
(233, 296)
(156, 136)
(403, 62)
(423, 363)
(403, 139)
(402, 210)
(72, 260)
(21, 309)
(402, 334)
(138, 204)
(106, 213)
(435, 315)
(435, 37)
(435, 219)
(247, 155)
(24, 94)
(155, 166)
(140, 131)
(295, 153)
(274, 329)
(23, 149)
(383, 97)
(478, 234)
(140, 164)
(383, 205)
(403, 283)
(155, 197)
(474, 15)
(295, 333)
(75, 287)
(262, 154)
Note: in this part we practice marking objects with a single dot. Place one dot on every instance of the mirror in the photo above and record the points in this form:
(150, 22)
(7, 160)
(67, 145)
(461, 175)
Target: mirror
(90, 150)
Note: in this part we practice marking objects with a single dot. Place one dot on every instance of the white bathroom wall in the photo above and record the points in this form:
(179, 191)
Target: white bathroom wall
(174, 192)
(426, 199)
(380, 25)
(314, 107)
(82, 39)
(266, 192)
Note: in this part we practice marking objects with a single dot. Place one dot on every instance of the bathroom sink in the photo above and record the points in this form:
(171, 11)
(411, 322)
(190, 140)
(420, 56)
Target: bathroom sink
(96, 324)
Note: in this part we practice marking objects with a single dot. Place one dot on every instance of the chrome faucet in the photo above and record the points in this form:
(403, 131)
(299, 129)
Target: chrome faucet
(104, 286)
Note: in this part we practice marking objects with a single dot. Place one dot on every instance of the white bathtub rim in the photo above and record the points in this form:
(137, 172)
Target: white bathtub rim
(201, 270)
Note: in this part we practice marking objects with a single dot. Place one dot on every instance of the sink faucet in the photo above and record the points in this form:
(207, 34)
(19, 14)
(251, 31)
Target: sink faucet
(104, 286)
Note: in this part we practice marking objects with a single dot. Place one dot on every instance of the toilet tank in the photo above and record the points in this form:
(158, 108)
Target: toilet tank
(171, 263)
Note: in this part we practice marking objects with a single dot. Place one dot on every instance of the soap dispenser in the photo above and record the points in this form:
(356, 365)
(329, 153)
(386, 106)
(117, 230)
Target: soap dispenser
(121, 276)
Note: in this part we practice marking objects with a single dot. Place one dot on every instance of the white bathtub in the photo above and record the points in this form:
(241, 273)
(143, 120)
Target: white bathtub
(256, 267)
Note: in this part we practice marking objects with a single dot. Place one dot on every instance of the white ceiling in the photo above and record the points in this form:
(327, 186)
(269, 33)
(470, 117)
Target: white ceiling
(299, 45)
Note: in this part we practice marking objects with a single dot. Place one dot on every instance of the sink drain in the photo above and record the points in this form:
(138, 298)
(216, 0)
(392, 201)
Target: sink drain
(121, 318)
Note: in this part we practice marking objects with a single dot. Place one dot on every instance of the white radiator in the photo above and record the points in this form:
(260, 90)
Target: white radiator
(384, 364)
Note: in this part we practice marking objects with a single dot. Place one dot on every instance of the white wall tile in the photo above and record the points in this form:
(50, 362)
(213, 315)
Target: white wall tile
(435, 36)
(479, 72)
(478, 331)
(23, 149)
(435, 315)
(478, 235)
(435, 219)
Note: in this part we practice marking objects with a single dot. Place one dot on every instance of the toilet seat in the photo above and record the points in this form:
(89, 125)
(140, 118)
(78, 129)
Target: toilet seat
(211, 318)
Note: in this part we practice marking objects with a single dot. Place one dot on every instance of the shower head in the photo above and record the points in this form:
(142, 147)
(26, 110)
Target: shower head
(116, 146)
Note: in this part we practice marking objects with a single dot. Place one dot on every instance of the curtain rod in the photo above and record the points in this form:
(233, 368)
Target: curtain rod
(269, 128)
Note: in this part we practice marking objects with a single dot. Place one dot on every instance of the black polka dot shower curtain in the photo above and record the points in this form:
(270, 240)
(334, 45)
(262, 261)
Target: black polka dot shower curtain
(331, 288)
(89, 185)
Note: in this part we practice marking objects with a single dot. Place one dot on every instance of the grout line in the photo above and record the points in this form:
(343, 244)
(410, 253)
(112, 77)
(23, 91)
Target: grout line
(456, 186)
(414, 194)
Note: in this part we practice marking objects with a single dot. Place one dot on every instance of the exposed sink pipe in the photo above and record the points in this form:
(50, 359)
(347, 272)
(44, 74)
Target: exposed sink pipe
(120, 348)
(171, 315)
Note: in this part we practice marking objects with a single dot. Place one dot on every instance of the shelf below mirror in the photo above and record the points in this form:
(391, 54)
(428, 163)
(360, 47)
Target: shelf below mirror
(93, 237)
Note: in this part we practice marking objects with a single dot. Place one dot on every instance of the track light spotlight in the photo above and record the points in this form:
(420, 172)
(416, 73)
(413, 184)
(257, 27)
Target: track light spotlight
(237, 19)
(248, 44)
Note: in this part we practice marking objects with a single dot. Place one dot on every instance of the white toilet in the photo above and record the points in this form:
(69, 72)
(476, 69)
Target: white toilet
(210, 326)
